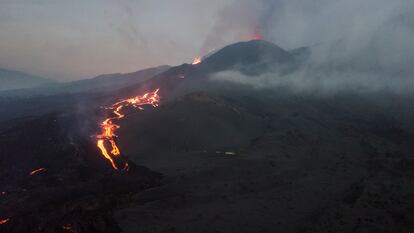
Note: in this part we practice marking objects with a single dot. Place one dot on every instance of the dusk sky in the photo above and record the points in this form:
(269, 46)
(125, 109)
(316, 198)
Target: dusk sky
(67, 40)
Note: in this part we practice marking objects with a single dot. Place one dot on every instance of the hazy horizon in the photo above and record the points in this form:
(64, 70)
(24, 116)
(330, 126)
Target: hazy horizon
(74, 40)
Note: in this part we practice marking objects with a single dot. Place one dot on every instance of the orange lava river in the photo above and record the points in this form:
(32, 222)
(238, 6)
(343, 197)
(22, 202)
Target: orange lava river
(106, 141)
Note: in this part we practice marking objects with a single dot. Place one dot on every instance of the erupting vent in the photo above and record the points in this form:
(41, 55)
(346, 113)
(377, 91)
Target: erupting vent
(197, 60)
(106, 140)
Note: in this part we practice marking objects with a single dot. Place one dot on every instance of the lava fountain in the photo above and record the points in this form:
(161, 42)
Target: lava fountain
(197, 60)
(257, 33)
(106, 141)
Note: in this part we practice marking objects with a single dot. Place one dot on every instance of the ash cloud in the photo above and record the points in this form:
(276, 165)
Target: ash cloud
(320, 83)
(372, 31)
(363, 45)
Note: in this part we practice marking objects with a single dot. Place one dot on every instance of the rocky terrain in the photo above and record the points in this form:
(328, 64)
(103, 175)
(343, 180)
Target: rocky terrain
(306, 165)
(214, 156)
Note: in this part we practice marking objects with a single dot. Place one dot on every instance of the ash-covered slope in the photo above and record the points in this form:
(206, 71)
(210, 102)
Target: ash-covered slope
(195, 122)
(301, 164)
(256, 54)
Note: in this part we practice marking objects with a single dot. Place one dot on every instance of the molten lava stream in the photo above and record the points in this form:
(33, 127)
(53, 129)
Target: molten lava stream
(34, 172)
(106, 140)
(4, 221)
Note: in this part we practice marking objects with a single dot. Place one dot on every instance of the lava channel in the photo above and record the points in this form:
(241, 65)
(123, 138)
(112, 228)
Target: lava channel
(106, 141)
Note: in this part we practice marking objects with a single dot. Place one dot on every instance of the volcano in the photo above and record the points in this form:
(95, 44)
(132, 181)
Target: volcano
(172, 150)
(251, 58)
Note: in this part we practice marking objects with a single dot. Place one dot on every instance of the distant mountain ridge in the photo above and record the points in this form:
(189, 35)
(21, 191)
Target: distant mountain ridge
(10, 80)
(101, 83)
(112, 81)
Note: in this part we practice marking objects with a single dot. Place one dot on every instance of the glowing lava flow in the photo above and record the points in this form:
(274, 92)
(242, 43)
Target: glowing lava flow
(4, 221)
(34, 172)
(68, 227)
(106, 140)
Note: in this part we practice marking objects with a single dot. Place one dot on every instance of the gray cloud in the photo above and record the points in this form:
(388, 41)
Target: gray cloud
(319, 82)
